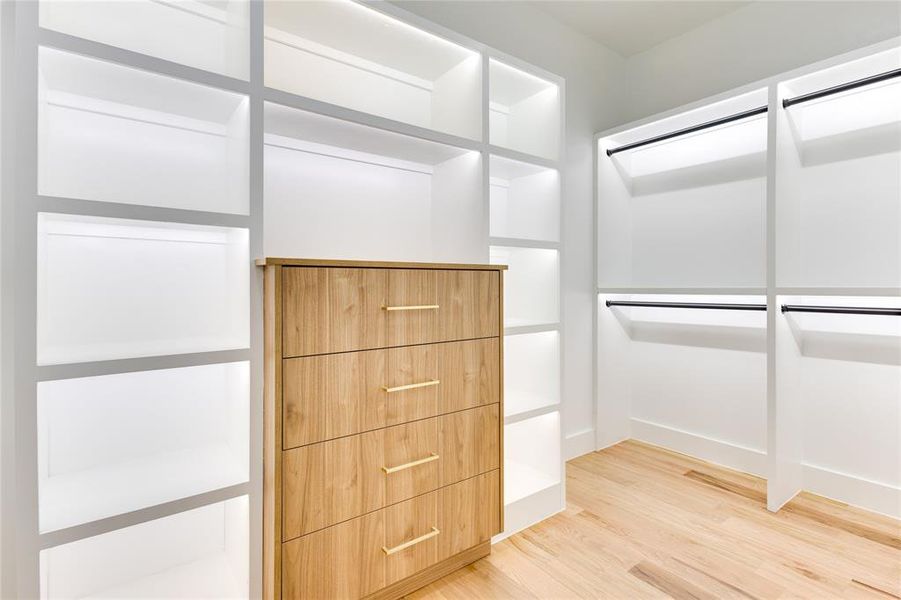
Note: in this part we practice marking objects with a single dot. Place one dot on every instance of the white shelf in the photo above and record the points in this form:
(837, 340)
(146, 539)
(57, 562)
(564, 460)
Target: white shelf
(838, 291)
(113, 444)
(531, 456)
(839, 212)
(873, 327)
(205, 35)
(531, 372)
(524, 111)
(707, 291)
(117, 134)
(525, 201)
(350, 55)
(201, 553)
(362, 192)
(115, 288)
(688, 212)
(524, 327)
(531, 285)
(529, 414)
(527, 511)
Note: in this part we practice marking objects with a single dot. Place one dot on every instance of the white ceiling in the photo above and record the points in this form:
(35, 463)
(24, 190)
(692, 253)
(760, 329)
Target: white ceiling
(632, 26)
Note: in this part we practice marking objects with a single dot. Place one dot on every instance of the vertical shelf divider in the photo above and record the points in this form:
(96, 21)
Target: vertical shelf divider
(20, 249)
(256, 203)
(784, 415)
(547, 494)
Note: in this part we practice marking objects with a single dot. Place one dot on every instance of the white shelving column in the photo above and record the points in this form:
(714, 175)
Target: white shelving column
(838, 234)
(525, 133)
(128, 236)
(682, 219)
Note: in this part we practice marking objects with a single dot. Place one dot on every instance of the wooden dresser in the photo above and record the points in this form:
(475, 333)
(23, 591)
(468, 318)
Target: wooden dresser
(383, 424)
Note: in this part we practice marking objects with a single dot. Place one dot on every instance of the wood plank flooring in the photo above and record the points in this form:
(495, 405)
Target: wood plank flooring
(642, 522)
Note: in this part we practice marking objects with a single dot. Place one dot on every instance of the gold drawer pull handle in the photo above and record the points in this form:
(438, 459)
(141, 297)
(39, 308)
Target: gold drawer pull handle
(413, 542)
(414, 307)
(410, 386)
(410, 465)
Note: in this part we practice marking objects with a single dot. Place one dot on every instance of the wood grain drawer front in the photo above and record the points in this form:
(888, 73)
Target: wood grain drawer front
(412, 536)
(340, 479)
(332, 395)
(333, 481)
(330, 482)
(470, 304)
(362, 555)
(412, 460)
(437, 306)
(336, 395)
(330, 310)
(414, 382)
(470, 374)
(469, 443)
(469, 513)
(344, 562)
(414, 307)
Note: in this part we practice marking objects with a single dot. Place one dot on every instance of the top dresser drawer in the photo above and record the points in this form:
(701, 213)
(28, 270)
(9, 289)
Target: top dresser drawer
(333, 309)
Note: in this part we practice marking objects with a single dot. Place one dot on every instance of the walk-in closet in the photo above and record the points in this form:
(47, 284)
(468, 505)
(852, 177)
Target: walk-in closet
(450, 299)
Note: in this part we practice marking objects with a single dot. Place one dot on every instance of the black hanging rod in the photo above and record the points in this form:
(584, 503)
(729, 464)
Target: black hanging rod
(843, 87)
(702, 305)
(842, 310)
(721, 121)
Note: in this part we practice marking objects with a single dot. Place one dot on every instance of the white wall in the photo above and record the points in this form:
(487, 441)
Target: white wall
(754, 42)
(594, 76)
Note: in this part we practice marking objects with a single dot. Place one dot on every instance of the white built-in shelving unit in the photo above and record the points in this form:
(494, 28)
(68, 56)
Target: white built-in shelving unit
(134, 217)
(525, 125)
(795, 204)
(160, 147)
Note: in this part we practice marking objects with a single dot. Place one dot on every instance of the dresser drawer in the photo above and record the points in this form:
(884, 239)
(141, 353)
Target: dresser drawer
(426, 306)
(469, 443)
(337, 395)
(365, 554)
(333, 310)
(329, 310)
(333, 481)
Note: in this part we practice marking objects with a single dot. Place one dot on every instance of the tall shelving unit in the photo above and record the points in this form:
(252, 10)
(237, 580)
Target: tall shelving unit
(149, 171)
(773, 213)
(525, 122)
(134, 219)
(838, 244)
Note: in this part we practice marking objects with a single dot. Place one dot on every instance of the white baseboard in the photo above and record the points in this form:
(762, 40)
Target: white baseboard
(856, 491)
(579, 443)
(733, 456)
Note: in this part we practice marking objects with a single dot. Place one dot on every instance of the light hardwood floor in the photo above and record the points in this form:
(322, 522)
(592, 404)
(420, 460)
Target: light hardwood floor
(642, 522)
